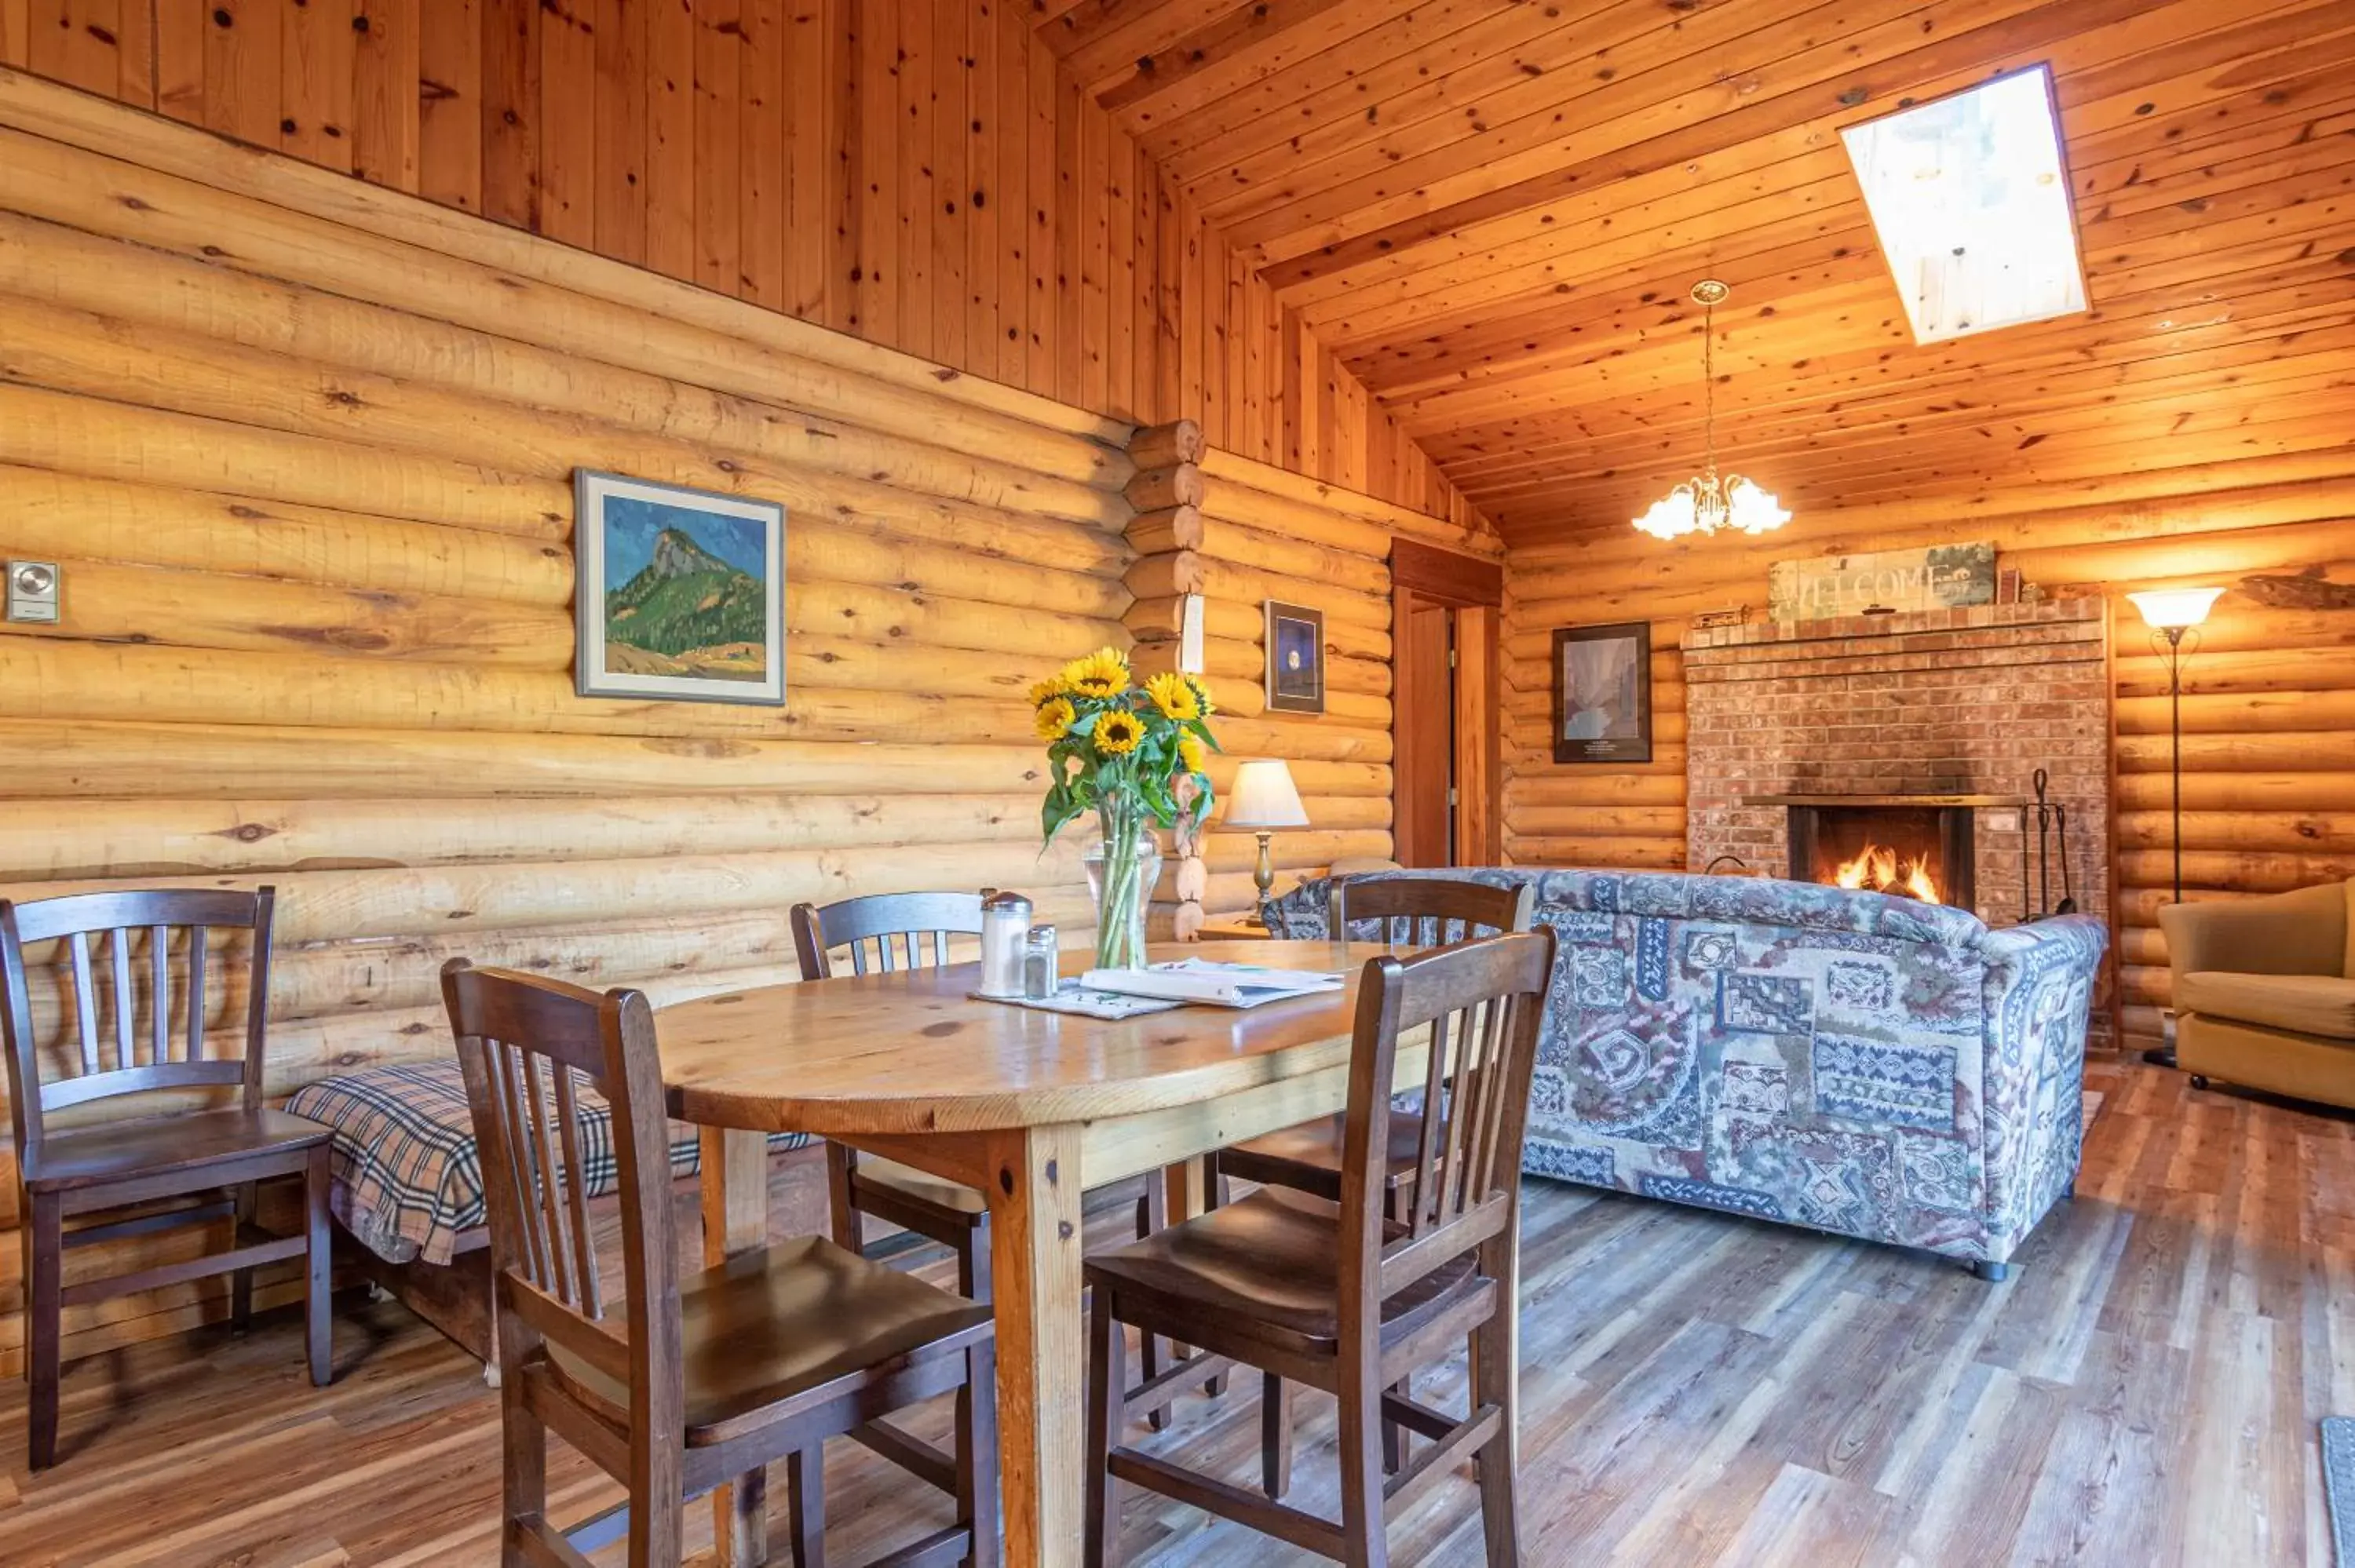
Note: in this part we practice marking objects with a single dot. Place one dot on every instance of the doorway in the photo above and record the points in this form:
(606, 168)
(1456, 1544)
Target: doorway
(1444, 610)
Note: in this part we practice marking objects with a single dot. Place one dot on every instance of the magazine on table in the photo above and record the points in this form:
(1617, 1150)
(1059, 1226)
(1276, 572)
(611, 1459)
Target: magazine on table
(1210, 984)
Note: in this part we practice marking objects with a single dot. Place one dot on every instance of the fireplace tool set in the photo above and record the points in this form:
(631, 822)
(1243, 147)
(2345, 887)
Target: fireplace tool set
(2052, 831)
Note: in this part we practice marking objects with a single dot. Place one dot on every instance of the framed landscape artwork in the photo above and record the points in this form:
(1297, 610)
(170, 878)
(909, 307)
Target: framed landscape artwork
(1295, 659)
(681, 593)
(1602, 694)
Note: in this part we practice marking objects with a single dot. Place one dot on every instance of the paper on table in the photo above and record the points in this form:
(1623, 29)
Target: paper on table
(1213, 983)
(1077, 998)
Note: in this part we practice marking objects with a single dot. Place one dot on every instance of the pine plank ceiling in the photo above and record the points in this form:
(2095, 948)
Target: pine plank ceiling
(1492, 211)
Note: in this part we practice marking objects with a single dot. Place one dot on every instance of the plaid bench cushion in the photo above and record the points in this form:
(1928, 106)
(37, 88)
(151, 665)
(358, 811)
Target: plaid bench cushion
(407, 1179)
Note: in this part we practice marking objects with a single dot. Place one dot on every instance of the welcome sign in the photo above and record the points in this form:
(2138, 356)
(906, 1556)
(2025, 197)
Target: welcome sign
(1944, 577)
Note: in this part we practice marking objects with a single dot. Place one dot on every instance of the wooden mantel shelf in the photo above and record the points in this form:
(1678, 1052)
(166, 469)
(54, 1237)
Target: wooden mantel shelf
(1924, 801)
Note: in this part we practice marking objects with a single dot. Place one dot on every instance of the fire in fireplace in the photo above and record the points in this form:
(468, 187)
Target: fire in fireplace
(1913, 846)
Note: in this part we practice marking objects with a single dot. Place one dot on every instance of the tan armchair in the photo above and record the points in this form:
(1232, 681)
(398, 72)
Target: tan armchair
(2264, 992)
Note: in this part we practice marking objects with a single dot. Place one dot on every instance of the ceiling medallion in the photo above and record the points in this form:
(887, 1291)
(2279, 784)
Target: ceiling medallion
(1708, 503)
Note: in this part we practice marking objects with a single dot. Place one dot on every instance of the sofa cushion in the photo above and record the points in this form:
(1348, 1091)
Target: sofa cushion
(2309, 1004)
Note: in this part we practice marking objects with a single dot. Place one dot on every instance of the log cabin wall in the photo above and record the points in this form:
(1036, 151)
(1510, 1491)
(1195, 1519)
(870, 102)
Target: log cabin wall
(922, 174)
(2268, 710)
(1237, 533)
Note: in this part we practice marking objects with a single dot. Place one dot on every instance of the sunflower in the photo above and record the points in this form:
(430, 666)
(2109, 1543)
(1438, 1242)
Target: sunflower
(1190, 754)
(1117, 733)
(1174, 695)
(1055, 717)
(1201, 696)
(1045, 690)
(1102, 673)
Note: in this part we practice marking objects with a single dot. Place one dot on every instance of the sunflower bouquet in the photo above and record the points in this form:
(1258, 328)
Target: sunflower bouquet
(1135, 755)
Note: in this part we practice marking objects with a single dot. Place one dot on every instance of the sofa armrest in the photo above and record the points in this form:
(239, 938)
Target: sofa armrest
(2300, 933)
(2038, 997)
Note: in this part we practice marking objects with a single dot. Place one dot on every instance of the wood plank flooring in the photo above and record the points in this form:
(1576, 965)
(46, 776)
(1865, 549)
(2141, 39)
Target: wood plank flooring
(1698, 1390)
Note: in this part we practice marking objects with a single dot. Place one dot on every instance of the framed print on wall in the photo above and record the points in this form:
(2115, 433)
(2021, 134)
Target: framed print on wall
(681, 592)
(1295, 658)
(1602, 692)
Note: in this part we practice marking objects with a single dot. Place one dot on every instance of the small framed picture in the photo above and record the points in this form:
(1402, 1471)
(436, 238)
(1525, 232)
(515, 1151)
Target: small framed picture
(681, 593)
(1602, 692)
(1295, 659)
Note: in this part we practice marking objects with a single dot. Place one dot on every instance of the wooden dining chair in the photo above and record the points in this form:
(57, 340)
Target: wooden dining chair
(132, 1036)
(682, 1383)
(1351, 1297)
(1412, 911)
(879, 934)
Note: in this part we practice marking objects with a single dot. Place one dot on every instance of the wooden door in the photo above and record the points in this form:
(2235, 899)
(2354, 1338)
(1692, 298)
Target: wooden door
(1424, 703)
(1443, 696)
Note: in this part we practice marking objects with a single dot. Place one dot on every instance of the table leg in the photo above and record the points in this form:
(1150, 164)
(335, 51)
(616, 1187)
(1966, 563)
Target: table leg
(735, 1193)
(1034, 1209)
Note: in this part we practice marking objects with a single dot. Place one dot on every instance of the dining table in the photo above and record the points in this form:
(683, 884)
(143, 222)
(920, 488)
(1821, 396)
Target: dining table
(1032, 1108)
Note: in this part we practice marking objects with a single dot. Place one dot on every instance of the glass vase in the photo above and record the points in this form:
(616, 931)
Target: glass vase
(1123, 866)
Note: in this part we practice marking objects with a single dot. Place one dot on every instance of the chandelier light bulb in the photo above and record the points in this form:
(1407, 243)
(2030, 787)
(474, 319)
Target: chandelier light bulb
(1706, 504)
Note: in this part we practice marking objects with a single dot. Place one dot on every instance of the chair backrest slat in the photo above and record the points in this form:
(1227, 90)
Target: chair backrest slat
(1426, 911)
(892, 924)
(1477, 1005)
(85, 1000)
(528, 1046)
(86, 1060)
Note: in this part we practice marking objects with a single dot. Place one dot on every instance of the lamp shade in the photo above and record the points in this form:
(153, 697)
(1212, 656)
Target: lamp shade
(1265, 797)
(2172, 609)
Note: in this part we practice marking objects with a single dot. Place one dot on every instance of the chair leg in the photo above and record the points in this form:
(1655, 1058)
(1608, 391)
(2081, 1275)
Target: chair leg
(1148, 1357)
(318, 1292)
(805, 1515)
(1274, 1437)
(524, 1479)
(973, 1263)
(43, 1329)
(240, 1287)
(1496, 1380)
(976, 1437)
(1107, 1372)
(1152, 1215)
(1364, 1540)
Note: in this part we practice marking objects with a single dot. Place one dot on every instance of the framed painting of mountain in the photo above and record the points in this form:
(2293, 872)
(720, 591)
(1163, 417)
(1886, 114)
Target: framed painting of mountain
(681, 593)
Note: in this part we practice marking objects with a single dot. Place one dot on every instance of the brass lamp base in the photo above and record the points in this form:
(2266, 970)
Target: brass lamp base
(1263, 877)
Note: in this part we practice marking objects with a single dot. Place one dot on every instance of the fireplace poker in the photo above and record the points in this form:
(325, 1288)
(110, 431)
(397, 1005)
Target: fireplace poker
(2043, 856)
(2061, 836)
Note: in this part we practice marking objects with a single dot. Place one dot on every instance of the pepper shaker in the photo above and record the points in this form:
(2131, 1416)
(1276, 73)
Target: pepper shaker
(1041, 972)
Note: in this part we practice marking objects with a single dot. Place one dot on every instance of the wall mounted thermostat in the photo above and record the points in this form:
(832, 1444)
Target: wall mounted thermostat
(33, 590)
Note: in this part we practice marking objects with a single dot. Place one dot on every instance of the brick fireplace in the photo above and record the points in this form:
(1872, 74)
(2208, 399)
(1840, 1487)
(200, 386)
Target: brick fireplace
(1918, 734)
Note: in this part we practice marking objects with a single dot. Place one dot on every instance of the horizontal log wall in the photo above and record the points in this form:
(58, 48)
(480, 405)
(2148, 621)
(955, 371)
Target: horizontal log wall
(306, 465)
(2268, 714)
(1238, 533)
(922, 174)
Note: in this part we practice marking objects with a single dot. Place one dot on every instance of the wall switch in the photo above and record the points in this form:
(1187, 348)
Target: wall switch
(33, 590)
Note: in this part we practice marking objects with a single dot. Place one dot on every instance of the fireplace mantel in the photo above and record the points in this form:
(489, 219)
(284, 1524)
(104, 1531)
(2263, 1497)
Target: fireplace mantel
(1925, 801)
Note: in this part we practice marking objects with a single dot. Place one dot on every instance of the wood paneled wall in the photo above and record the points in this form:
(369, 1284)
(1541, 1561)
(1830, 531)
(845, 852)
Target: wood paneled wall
(920, 173)
(303, 450)
(2268, 714)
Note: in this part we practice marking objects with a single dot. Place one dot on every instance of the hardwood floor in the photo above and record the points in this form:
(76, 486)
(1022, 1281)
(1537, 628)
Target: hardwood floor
(1697, 1390)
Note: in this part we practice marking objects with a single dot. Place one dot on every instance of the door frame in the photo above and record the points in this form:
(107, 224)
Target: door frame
(1422, 575)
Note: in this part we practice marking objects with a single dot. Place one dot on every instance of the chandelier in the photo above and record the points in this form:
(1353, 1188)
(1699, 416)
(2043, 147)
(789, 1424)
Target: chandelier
(1707, 503)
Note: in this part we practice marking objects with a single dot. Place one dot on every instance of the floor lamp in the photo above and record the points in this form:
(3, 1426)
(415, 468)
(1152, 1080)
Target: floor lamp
(2174, 615)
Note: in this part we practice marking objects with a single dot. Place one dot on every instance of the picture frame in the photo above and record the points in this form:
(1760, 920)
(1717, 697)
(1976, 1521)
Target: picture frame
(1602, 692)
(1294, 642)
(680, 593)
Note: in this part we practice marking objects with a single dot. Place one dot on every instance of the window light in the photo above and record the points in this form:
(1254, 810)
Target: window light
(1971, 204)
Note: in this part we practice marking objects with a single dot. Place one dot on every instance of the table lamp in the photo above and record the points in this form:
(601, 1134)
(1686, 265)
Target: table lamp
(1263, 800)
(2170, 613)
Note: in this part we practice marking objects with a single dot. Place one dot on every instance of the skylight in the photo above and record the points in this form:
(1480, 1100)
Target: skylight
(1970, 202)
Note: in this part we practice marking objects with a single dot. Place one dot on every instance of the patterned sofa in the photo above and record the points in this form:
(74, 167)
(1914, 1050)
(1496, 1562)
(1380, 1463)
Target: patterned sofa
(1850, 1062)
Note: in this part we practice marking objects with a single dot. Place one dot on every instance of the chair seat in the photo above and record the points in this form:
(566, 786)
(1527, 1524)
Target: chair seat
(2308, 1004)
(1273, 1260)
(160, 1145)
(1308, 1157)
(909, 1181)
(769, 1325)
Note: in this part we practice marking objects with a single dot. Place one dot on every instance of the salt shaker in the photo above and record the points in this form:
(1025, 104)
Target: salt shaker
(1005, 921)
(1041, 974)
